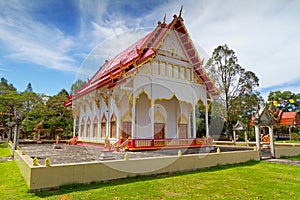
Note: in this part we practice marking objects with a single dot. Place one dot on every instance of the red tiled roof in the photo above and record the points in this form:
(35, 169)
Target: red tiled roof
(289, 118)
(286, 119)
(142, 50)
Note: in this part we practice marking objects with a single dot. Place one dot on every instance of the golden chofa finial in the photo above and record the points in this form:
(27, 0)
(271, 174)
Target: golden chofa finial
(180, 12)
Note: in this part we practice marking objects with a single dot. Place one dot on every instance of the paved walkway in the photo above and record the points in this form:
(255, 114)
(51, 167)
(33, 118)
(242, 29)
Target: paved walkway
(284, 161)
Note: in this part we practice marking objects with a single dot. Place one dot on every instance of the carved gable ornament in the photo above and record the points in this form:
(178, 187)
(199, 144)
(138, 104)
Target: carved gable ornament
(263, 117)
(239, 126)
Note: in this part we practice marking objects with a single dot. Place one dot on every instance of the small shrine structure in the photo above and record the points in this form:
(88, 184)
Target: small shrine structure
(146, 96)
(284, 123)
(239, 126)
(261, 120)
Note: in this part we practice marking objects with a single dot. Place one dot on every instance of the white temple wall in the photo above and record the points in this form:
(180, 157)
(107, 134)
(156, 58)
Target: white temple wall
(143, 117)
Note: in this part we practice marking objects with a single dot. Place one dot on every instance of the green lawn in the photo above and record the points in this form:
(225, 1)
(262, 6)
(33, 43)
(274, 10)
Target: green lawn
(4, 151)
(292, 158)
(251, 180)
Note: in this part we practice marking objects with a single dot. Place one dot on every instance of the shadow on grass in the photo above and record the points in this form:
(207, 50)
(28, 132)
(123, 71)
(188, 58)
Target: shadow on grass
(139, 178)
(3, 145)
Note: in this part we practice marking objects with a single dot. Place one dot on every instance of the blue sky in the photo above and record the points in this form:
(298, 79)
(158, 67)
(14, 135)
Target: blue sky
(47, 43)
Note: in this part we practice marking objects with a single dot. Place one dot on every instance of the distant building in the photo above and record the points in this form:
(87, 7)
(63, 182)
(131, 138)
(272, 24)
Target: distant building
(284, 123)
(148, 91)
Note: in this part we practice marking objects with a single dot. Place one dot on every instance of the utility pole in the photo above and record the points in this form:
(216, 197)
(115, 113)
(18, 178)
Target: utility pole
(18, 119)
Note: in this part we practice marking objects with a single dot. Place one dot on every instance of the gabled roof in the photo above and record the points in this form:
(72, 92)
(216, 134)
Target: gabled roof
(289, 118)
(239, 126)
(140, 52)
(283, 119)
(263, 117)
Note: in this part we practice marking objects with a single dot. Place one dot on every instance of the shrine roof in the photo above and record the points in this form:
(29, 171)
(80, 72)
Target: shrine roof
(284, 119)
(139, 53)
(289, 118)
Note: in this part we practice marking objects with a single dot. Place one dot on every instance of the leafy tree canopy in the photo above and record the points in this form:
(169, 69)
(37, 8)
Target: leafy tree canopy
(35, 108)
(237, 85)
(286, 100)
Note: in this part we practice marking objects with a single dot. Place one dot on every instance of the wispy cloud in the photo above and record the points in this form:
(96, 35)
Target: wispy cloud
(264, 35)
(32, 41)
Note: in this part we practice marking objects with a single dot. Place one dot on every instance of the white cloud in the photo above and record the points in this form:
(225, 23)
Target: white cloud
(264, 35)
(32, 41)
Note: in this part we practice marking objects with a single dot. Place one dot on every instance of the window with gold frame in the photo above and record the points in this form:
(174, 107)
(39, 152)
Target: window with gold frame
(88, 128)
(163, 67)
(170, 70)
(182, 73)
(188, 74)
(95, 127)
(175, 71)
(103, 127)
(155, 67)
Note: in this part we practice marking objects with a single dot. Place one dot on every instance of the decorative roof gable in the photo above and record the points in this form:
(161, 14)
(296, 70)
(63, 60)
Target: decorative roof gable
(263, 117)
(144, 50)
(239, 126)
(279, 119)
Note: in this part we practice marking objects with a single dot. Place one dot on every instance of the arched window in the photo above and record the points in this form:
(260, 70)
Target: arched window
(159, 126)
(103, 127)
(88, 127)
(182, 127)
(126, 125)
(95, 127)
(81, 134)
(113, 127)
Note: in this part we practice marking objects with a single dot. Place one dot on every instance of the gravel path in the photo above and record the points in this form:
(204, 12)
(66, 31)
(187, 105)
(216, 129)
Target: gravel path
(284, 161)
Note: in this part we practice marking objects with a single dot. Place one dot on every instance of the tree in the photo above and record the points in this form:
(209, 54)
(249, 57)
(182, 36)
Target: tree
(77, 86)
(10, 100)
(29, 88)
(236, 85)
(286, 101)
(34, 110)
(58, 116)
(5, 87)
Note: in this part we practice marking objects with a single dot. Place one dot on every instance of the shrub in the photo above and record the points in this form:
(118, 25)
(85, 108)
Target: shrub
(295, 136)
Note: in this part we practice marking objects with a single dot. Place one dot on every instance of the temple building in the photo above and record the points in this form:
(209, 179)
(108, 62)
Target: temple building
(147, 93)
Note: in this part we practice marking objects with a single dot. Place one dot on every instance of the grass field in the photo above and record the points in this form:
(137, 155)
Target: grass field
(251, 180)
(292, 158)
(287, 141)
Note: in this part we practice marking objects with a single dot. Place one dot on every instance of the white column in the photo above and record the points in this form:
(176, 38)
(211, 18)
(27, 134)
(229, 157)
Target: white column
(257, 137)
(194, 122)
(74, 125)
(108, 116)
(189, 125)
(118, 125)
(234, 137)
(271, 134)
(206, 120)
(152, 119)
(133, 133)
(246, 136)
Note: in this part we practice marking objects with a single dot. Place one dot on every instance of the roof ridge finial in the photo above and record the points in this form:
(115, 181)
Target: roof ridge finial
(180, 12)
(164, 20)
